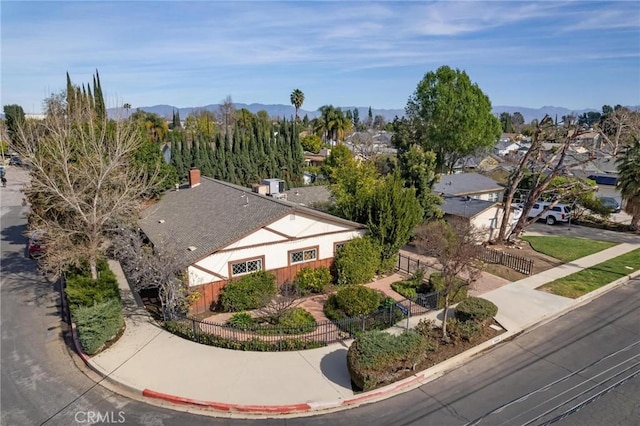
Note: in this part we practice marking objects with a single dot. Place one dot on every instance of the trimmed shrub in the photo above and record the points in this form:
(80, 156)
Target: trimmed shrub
(241, 320)
(356, 300)
(310, 280)
(376, 357)
(98, 324)
(357, 261)
(252, 291)
(297, 321)
(81, 290)
(476, 309)
(185, 329)
(436, 283)
(462, 330)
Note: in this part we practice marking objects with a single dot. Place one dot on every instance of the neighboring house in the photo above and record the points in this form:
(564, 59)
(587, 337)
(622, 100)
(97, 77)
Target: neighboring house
(223, 231)
(309, 196)
(503, 148)
(473, 185)
(311, 159)
(486, 216)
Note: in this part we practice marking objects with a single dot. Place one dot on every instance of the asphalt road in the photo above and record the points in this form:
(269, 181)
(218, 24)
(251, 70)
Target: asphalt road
(558, 365)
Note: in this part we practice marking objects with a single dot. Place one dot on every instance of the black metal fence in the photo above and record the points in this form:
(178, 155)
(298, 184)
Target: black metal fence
(410, 265)
(517, 263)
(278, 338)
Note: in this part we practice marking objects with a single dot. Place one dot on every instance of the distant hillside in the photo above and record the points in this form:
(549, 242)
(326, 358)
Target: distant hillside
(287, 111)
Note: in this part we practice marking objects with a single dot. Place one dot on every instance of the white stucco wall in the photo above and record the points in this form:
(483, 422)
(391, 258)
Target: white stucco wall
(305, 232)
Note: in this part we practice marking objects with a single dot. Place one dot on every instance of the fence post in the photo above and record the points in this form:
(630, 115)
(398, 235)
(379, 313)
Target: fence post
(408, 313)
(363, 323)
(193, 325)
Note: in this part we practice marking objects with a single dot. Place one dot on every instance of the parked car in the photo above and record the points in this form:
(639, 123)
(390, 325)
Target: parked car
(611, 203)
(559, 213)
(15, 161)
(35, 246)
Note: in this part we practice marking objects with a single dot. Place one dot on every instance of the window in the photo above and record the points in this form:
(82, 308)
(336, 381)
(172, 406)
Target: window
(338, 246)
(493, 196)
(246, 267)
(305, 255)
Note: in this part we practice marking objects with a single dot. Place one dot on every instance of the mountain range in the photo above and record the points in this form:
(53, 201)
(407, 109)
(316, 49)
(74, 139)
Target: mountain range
(287, 111)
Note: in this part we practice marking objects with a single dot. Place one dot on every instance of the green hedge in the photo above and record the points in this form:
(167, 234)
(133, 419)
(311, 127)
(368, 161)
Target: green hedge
(476, 309)
(184, 328)
(241, 320)
(436, 283)
(357, 261)
(376, 357)
(252, 291)
(81, 290)
(98, 324)
(310, 280)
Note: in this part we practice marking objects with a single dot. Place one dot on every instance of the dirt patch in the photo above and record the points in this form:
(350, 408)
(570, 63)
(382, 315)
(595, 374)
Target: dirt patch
(541, 262)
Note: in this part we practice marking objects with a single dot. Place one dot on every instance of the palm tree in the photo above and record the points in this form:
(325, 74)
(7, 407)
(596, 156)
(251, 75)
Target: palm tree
(127, 107)
(297, 99)
(629, 182)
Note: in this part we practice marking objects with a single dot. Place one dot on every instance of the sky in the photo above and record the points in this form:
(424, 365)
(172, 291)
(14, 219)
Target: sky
(573, 54)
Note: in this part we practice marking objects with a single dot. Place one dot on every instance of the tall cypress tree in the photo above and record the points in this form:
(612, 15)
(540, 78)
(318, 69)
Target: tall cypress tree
(71, 96)
(100, 107)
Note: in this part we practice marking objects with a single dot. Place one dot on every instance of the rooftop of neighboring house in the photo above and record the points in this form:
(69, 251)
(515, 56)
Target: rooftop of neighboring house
(465, 206)
(466, 184)
(207, 215)
(308, 195)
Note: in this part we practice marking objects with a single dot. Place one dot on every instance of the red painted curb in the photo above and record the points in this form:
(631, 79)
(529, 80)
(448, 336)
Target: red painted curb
(256, 409)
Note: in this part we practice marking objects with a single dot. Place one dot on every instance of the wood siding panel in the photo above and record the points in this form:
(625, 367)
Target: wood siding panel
(210, 292)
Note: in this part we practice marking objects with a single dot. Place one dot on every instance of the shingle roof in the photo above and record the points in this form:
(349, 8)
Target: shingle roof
(465, 183)
(308, 195)
(211, 216)
(464, 206)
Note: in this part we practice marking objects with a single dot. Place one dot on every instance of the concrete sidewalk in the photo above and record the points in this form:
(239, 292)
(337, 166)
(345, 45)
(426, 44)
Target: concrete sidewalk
(149, 362)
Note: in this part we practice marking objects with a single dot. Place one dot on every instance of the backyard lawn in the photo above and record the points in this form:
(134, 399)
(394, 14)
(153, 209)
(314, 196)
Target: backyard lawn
(587, 280)
(567, 248)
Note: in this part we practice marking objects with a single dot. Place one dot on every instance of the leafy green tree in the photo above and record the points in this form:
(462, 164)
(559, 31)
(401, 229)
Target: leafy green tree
(155, 125)
(297, 99)
(340, 157)
(418, 169)
(629, 182)
(394, 212)
(517, 120)
(353, 189)
(14, 115)
(311, 143)
(505, 121)
(451, 116)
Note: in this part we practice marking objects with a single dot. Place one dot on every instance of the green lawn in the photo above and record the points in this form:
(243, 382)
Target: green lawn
(587, 280)
(567, 248)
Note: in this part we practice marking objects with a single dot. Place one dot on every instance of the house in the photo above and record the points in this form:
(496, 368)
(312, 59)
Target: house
(486, 216)
(223, 231)
(503, 148)
(473, 185)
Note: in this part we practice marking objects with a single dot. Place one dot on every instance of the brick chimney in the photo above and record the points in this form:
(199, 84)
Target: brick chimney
(194, 177)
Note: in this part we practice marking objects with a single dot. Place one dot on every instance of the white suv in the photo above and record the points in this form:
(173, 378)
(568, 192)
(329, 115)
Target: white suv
(559, 212)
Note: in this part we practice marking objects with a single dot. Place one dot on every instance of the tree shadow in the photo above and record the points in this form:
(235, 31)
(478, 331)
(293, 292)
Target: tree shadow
(334, 368)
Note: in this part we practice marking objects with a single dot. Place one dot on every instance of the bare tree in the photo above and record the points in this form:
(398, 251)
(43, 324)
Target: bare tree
(363, 144)
(455, 246)
(227, 113)
(82, 181)
(288, 297)
(544, 168)
(618, 129)
(149, 268)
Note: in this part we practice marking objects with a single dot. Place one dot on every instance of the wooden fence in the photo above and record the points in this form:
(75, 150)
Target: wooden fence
(517, 263)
